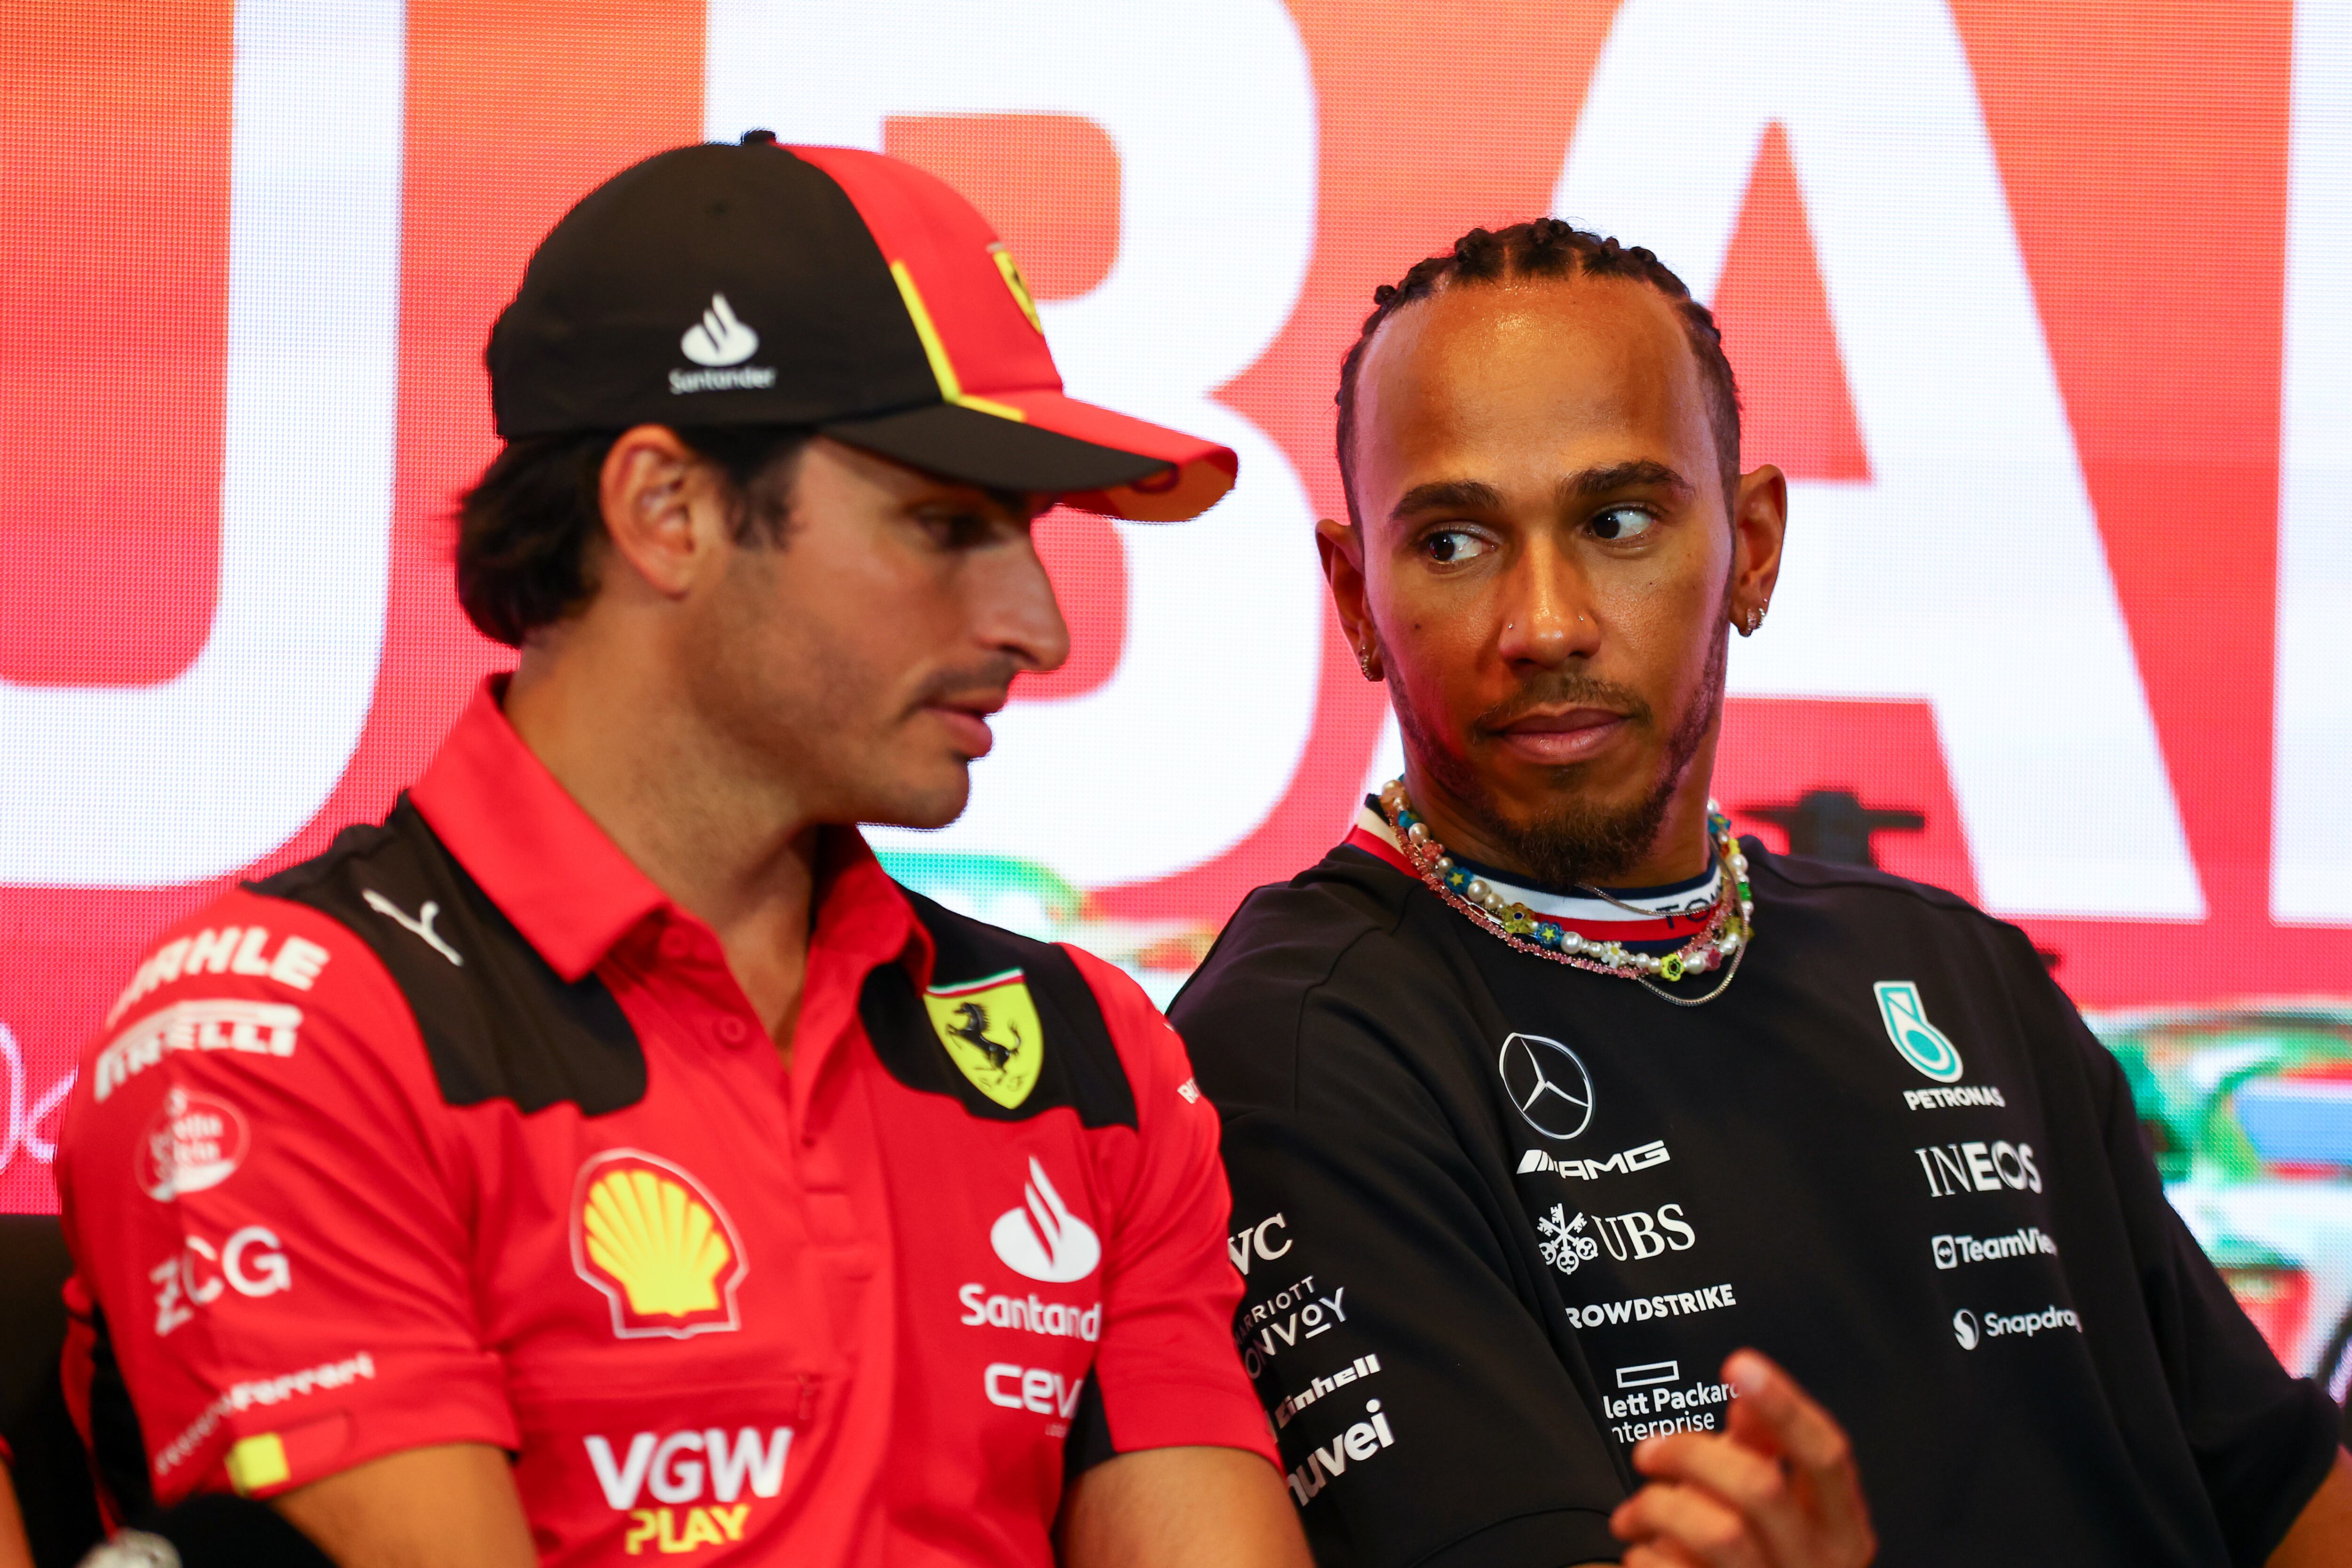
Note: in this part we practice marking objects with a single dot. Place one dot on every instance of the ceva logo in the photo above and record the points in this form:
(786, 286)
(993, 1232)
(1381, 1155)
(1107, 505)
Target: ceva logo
(718, 338)
(1045, 1242)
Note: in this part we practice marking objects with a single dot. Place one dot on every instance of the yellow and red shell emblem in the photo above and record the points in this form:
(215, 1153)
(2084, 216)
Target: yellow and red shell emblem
(662, 1250)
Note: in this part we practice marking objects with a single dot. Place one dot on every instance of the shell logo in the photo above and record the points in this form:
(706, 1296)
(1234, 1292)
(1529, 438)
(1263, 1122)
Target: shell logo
(661, 1250)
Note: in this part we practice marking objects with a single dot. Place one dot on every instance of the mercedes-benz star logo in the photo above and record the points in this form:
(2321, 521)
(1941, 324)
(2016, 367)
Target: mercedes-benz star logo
(1549, 1083)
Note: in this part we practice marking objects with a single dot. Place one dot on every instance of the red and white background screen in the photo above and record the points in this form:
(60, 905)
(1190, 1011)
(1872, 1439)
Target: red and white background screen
(2045, 309)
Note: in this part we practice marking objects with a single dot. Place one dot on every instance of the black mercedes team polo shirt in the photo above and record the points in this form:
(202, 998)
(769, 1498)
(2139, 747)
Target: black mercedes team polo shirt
(1500, 1219)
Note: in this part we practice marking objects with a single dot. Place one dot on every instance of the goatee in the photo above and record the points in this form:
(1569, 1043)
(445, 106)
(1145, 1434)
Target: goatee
(1572, 842)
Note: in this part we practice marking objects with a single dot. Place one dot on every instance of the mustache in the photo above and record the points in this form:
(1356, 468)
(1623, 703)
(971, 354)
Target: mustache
(1563, 688)
(991, 677)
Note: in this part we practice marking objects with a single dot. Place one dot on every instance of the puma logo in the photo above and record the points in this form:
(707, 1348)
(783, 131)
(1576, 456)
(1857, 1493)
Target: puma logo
(422, 925)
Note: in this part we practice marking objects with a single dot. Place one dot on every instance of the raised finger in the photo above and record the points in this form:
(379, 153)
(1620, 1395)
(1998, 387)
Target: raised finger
(1806, 1435)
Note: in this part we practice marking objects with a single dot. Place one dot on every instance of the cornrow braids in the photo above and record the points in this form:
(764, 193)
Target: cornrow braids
(1548, 249)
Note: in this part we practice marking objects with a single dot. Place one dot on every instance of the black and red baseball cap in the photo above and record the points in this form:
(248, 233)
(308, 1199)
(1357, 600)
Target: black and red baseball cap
(826, 287)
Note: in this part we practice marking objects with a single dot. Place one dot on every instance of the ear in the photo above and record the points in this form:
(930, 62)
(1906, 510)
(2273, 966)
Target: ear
(666, 511)
(1341, 546)
(1759, 521)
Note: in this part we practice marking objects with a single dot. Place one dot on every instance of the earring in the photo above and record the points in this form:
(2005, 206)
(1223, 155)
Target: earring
(1364, 662)
(1755, 618)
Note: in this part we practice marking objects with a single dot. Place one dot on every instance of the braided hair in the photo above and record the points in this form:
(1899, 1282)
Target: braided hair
(1548, 249)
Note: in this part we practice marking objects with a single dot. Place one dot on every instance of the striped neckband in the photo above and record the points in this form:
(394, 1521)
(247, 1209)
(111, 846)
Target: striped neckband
(1670, 914)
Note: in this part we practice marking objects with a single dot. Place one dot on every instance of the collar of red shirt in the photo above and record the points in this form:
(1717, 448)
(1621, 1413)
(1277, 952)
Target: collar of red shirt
(572, 892)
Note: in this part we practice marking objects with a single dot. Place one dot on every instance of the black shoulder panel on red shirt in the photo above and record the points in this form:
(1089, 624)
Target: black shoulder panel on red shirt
(498, 1022)
(1081, 1071)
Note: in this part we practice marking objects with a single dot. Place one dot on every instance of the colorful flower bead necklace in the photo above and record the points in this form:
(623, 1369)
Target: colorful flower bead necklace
(1722, 940)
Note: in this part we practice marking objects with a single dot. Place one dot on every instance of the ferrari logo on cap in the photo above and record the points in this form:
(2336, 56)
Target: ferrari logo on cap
(990, 1030)
(1018, 284)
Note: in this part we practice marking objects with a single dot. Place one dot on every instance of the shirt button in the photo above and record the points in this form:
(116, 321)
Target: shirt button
(676, 944)
(733, 1030)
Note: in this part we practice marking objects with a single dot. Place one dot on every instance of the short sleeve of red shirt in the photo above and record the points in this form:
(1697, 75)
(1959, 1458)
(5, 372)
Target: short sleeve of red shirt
(1167, 1370)
(260, 1212)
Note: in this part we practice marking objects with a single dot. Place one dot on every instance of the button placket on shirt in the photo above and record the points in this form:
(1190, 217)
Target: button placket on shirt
(692, 962)
(827, 1104)
(814, 1091)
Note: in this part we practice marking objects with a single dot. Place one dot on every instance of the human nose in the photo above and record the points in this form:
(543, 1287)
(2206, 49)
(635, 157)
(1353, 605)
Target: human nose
(1549, 618)
(1024, 617)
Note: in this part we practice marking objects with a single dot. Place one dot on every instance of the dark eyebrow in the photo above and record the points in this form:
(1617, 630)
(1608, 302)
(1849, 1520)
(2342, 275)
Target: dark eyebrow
(1597, 482)
(1014, 503)
(1448, 496)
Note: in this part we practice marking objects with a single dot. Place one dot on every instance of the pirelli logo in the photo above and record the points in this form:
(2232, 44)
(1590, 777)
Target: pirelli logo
(257, 1028)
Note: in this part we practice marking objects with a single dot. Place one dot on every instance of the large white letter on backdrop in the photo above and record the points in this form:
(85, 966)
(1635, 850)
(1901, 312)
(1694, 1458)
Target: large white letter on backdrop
(1192, 743)
(1969, 571)
(204, 773)
(2313, 716)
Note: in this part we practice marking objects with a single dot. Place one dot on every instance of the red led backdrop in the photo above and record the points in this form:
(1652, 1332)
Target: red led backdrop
(2029, 300)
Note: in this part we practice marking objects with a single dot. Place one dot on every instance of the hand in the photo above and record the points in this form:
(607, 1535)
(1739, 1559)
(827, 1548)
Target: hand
(1776, 1490)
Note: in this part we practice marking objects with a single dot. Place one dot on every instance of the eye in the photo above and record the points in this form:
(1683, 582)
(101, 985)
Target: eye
(1451, 546)
(957, 527)
(1621, 523)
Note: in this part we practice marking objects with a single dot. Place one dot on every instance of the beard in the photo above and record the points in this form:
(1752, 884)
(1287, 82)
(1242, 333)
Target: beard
(1574, 841)
(800, 709)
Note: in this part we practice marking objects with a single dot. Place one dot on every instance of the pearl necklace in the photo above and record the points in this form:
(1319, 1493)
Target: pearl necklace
(1722, 940)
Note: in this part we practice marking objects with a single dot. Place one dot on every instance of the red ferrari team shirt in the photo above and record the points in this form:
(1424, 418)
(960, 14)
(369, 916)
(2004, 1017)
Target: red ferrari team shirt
(463, 1133)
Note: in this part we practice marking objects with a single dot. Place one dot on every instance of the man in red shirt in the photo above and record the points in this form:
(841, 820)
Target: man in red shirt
(602, 1158)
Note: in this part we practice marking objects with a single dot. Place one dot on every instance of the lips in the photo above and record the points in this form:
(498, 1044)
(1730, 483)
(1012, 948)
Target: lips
(1572, 735)
(967, 724)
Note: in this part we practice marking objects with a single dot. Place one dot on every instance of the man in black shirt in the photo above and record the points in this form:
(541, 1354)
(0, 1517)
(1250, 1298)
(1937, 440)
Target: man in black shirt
(1542, 1094)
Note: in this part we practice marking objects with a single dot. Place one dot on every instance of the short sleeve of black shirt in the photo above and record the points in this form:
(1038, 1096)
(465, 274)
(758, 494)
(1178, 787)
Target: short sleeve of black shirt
(2263, 1441)
(1378, 1244)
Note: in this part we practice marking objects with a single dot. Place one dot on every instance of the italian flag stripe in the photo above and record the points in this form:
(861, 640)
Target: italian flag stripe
(966, 988)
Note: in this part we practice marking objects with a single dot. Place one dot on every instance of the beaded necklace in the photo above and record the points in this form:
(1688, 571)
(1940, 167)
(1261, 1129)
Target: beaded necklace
(1722, 940)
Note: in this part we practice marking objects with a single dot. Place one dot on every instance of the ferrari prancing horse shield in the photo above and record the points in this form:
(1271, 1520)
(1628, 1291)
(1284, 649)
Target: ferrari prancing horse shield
(991, 1029)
